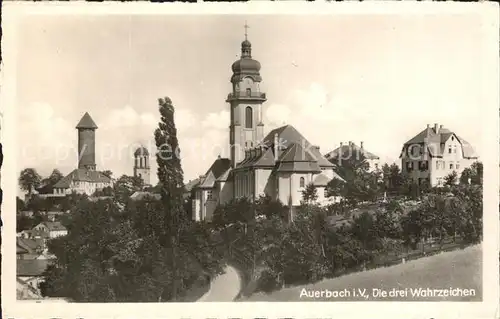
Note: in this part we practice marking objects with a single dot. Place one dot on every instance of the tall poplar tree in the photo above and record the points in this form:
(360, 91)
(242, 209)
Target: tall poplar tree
(170, 176)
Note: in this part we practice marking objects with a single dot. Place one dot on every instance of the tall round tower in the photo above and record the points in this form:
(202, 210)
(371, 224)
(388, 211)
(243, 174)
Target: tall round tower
(86, 142)
(141, 165)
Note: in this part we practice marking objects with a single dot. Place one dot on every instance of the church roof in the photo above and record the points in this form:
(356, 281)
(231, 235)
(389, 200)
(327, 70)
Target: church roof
(86, 122)
(82, 175)
(296, 159)
(353, 148)
(293, 148)
(435, 141)
(208, 181)
(288, 135)
(217, 172)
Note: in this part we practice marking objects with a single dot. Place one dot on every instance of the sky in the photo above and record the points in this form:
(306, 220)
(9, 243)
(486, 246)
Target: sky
(374, 78)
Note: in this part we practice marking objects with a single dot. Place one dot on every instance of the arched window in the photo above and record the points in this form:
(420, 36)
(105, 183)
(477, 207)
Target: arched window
(248, 117)
(302, 182)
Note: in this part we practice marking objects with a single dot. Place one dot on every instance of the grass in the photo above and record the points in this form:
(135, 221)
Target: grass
(455, 269)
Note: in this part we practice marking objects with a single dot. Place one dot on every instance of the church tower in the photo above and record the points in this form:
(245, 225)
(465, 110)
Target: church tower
(141, 165)
(86, 143)
(246, 129)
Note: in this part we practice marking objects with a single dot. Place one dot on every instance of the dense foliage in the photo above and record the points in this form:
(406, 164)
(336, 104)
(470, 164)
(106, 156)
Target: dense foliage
(131, 251)
(359, 232)
(314, 246)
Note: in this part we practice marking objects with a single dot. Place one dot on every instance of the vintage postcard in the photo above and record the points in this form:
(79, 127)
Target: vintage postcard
(257, 160)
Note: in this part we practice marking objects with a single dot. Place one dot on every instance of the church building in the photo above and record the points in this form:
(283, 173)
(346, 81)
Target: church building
(279, 164)
(85, 179)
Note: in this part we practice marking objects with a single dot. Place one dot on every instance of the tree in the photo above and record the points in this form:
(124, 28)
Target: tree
(125, 186)
(20, 205)
(360, 185)
(53, 178)
(24, 222)
(107, 173)
(477, 168)
(451, 179)
(269, 207)
(170, 175)
(310, 193)
(472, 174)
(29, 180)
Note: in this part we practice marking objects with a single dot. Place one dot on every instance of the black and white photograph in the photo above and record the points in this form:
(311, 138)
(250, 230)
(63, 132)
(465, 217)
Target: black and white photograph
(251, 157)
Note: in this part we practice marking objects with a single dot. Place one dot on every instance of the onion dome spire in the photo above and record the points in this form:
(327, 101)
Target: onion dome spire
(246, 66)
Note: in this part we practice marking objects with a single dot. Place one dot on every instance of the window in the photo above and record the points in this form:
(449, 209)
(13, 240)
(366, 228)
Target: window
(422, 165)
(209, 195)
(457, 166)
(451, 165)
(449, 150)
(376, 166)
(249, 92)
(302, 182)
(409, 166)
(248, 117)
(251, 144)
(326, 192)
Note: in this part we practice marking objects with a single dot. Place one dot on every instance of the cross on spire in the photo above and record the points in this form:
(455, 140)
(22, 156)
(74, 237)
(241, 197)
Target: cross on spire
(246, 30)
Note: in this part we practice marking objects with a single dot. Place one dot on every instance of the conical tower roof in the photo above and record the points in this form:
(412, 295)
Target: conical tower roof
(86, 122)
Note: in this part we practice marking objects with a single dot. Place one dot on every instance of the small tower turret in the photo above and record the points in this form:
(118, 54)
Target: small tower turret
(141, 165)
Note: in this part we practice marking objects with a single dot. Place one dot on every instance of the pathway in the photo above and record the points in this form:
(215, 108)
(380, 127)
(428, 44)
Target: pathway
(225, 287)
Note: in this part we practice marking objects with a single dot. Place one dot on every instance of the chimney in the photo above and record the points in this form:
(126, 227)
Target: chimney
(361, 144)
(350, 143)
(341, 144)
(276, 148)
(440, 127)
(316, 147)
(428, 126)
(436, 128)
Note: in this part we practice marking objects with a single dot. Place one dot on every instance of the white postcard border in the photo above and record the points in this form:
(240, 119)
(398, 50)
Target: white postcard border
(487, 309)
